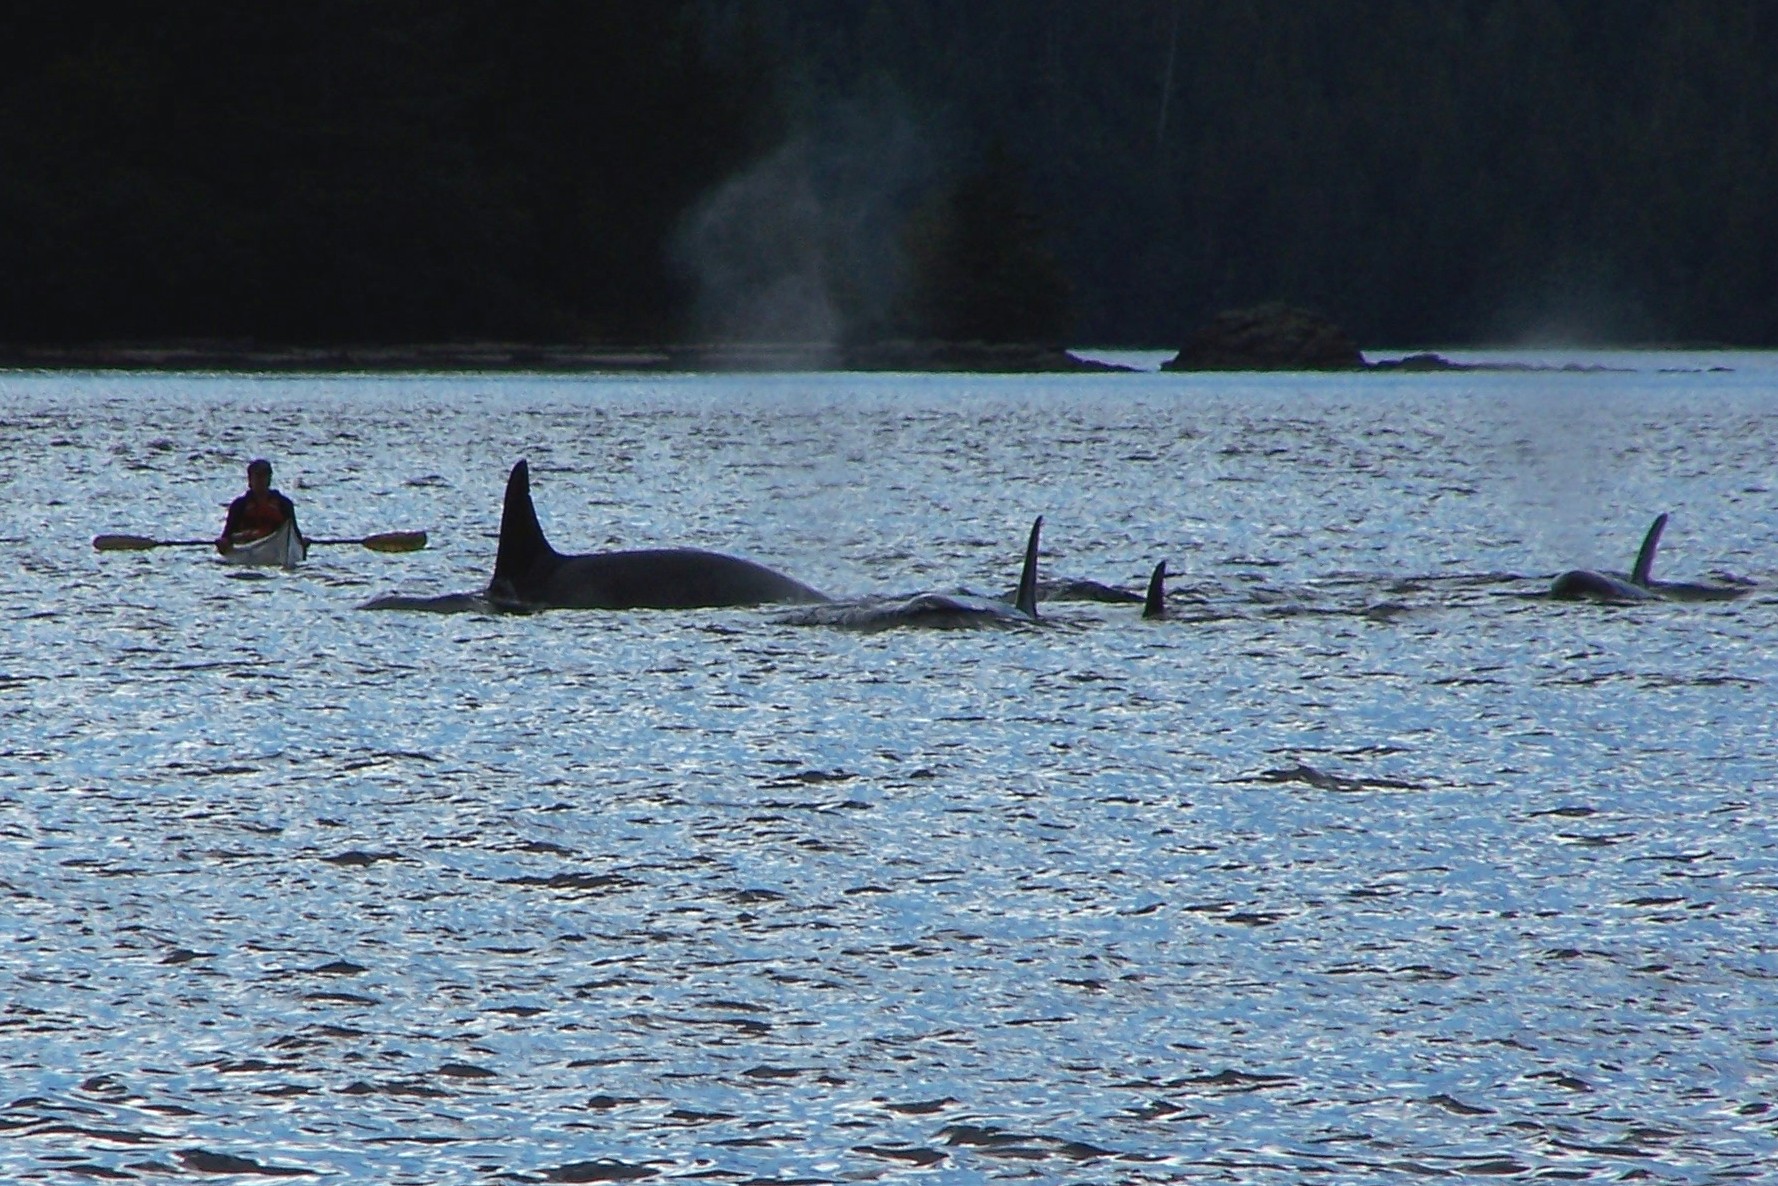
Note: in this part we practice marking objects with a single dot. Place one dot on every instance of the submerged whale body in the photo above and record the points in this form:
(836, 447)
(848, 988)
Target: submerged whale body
(448, 603)
(1153, 601)
(934, 611)
(1080, 589)
(530, 574)
(1583, 584)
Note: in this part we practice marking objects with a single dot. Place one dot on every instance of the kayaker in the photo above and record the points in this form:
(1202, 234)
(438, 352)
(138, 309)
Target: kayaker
(257, 513)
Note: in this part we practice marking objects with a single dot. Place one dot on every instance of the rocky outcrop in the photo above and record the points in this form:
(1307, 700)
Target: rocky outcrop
(1423, 361)
(1271, 337)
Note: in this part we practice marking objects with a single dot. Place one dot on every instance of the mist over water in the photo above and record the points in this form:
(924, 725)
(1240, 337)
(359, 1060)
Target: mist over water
(806, 242)
(1581, 301)
(756, 250)
(1368, 863)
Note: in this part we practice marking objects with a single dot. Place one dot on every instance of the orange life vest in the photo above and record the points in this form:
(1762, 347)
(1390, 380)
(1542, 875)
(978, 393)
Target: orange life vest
(252, 517)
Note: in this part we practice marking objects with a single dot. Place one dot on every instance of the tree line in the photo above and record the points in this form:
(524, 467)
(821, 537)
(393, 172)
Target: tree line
(1091, 171)
(337, 171)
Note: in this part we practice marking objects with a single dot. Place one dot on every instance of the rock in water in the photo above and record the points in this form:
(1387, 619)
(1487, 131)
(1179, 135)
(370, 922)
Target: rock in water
(1272, 337)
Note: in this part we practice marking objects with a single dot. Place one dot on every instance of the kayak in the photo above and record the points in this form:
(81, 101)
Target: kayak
(284, 546)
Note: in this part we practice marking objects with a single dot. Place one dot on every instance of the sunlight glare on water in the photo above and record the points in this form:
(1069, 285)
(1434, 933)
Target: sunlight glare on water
(1367, 864)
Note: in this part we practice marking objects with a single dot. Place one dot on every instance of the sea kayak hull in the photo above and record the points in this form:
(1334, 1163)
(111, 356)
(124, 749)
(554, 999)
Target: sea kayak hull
(284, 548)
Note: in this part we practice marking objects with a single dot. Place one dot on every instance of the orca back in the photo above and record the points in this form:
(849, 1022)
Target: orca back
(1582, 584)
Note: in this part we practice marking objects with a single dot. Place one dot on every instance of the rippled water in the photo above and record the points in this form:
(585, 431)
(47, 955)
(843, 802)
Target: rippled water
(1366, 865)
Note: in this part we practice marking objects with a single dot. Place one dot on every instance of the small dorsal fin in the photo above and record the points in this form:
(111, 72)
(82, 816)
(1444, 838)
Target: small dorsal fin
(1645, 559)
(521, 536)
(1027, 598)
(1155, 604)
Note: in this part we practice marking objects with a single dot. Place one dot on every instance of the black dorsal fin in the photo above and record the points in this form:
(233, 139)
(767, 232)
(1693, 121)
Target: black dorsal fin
(1155, 604)
(1027, 598)
(1645, 559)
(521, 536)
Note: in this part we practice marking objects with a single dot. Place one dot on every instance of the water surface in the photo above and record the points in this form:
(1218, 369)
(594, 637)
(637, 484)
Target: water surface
(1367, 865)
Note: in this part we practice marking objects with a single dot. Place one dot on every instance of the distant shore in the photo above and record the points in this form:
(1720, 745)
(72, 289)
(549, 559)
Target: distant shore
(715, 358)
(505, 356)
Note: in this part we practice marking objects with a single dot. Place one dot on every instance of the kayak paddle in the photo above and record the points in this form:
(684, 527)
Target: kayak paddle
(141, 543)
(388, 541)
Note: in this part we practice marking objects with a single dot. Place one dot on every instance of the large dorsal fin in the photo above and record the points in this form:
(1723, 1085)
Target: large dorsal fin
(1027, 598)
(521, 536)
(1155, 604)
(1645, 559)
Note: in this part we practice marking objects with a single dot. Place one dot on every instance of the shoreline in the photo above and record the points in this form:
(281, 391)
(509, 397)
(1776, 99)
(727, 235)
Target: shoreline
(514, 356)
(712, 358)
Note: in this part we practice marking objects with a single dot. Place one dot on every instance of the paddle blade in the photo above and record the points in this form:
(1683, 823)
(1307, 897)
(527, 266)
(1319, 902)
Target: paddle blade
(123, 543)
(141, 543)
(395, 541)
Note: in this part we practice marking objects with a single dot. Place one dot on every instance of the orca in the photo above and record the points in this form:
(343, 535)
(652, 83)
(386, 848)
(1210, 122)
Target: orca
(1583, 584)
(937, 611)
(530, 574)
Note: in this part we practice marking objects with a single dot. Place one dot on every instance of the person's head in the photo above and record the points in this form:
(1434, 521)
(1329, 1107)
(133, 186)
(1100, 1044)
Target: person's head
(259, 474)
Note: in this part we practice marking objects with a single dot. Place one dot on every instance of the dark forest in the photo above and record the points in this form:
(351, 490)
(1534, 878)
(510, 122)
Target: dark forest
(1108, 172)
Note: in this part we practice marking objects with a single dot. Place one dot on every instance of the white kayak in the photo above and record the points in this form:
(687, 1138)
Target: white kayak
(285, 547)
